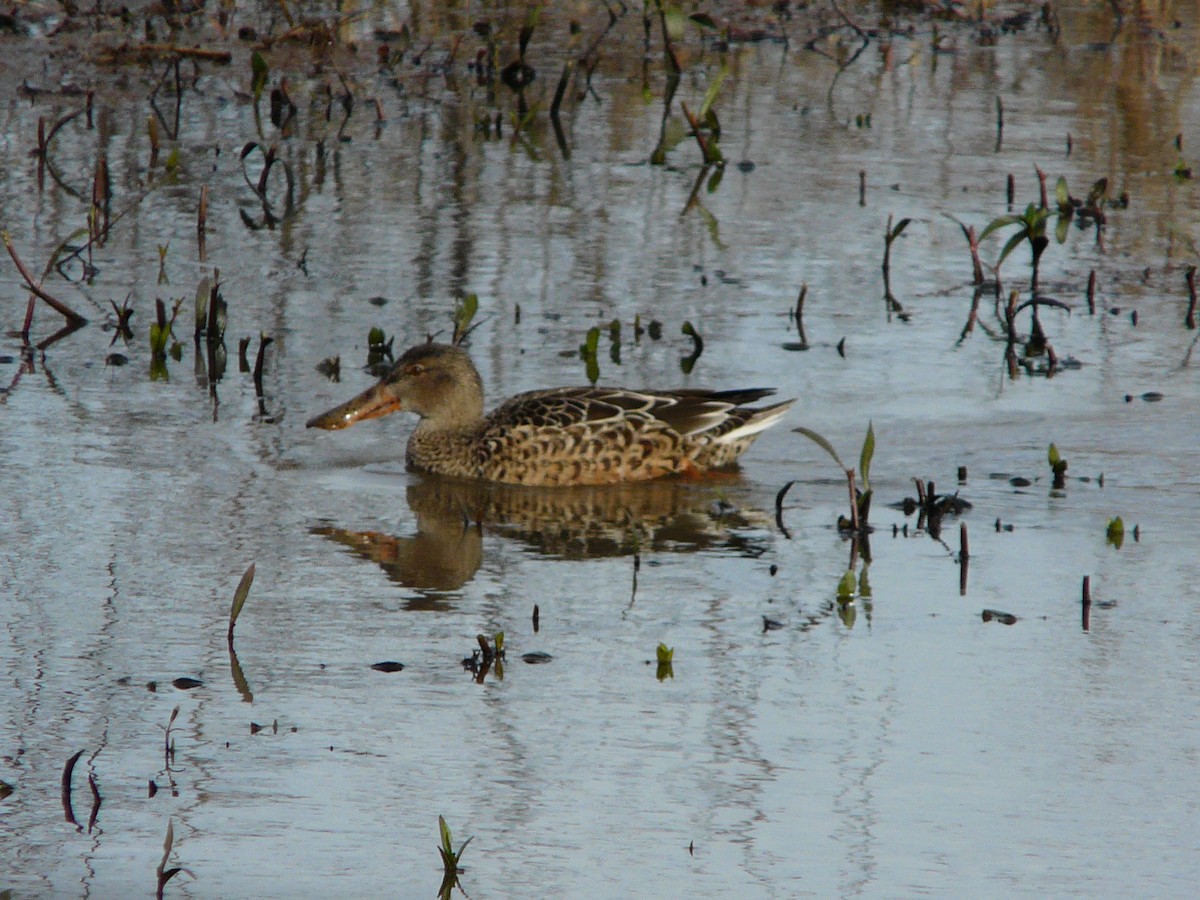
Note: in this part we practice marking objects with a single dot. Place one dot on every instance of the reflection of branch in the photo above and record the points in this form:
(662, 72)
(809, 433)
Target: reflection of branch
(849, 21)
(73, 318)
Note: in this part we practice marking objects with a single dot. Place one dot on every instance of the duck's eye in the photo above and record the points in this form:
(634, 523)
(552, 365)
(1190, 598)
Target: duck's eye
(416, 369)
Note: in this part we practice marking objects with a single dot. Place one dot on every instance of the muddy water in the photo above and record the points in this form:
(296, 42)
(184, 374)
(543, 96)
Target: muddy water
(895, 745)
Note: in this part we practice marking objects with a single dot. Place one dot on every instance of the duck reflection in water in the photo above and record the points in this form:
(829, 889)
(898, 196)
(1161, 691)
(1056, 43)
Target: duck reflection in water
(572, 523)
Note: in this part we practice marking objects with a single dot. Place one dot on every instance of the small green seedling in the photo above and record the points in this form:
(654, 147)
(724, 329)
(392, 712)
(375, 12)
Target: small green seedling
(1058, 466)
(464, 312)
(1032, 228)
(860, 501)
(239, 598)
(450, 859)
(665, 656)
(587, 352)
(1115, 533)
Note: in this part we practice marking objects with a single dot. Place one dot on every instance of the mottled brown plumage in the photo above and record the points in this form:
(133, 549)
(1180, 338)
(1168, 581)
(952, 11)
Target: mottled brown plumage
(561, 436)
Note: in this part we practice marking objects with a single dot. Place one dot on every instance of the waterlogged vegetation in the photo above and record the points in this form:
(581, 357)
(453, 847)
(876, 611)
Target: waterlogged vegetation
(641, 189)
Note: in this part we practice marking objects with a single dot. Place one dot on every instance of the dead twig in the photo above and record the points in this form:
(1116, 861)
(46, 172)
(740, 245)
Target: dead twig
(71, 316)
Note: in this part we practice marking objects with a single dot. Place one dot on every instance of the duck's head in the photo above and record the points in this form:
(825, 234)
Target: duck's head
(438, 382)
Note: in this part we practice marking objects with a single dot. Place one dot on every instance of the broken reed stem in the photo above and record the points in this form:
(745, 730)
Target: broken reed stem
(264, 341)
(71, 316)
(1091, 293)
(964, 547)
(202, 214)
(800, 314)
(101, 195)
(862, 187)
(1011, 190)
(1190, 319)
(1042, 187)
(1087, 602)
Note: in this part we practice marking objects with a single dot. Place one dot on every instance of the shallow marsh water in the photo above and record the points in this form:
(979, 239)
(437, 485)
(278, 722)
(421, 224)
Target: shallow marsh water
(899, 746)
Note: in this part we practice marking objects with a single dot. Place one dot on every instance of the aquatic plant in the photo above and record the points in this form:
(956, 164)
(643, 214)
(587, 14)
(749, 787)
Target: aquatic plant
(889, 237)
(860, 501)
(239, 598)
(164, 874)
(450, 859)
(1058, 467)
(665, 657)
(1114, 534)
(161, 331)
(1031, 228)
(464, 311)
(687, 363)
(379, 351)
(587, 352)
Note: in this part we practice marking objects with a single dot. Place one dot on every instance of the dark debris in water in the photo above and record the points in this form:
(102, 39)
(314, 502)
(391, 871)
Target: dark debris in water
(995, 615)
(187, 684)
(536, 657)
(388, 666)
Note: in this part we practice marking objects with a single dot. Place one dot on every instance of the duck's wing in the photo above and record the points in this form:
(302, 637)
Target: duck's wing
(688, 412)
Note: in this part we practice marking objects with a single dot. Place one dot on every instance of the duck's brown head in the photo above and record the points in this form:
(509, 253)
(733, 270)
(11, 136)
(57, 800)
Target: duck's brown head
(438, 382)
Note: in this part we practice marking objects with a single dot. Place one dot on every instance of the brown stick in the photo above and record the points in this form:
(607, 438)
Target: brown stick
(695, 126)
(1087, 602)
(73, 317)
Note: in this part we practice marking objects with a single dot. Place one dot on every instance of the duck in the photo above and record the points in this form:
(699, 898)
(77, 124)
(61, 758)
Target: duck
(556, 437)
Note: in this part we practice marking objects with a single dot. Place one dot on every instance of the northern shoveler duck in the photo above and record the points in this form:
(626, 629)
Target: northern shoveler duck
(560, 436)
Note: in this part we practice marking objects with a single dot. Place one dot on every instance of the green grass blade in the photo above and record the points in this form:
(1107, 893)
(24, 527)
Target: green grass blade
(239, 596)
(864, 459)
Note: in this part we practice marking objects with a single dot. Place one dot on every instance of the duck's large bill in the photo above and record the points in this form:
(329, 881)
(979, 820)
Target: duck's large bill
(370, 404)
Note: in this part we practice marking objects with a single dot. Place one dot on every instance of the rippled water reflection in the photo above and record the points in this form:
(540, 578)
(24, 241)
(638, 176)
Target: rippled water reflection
(896, 746)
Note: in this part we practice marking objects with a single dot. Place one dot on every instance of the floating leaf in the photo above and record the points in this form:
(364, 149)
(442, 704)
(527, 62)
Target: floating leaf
(388, 666)
(899, 229)
(664, 654)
